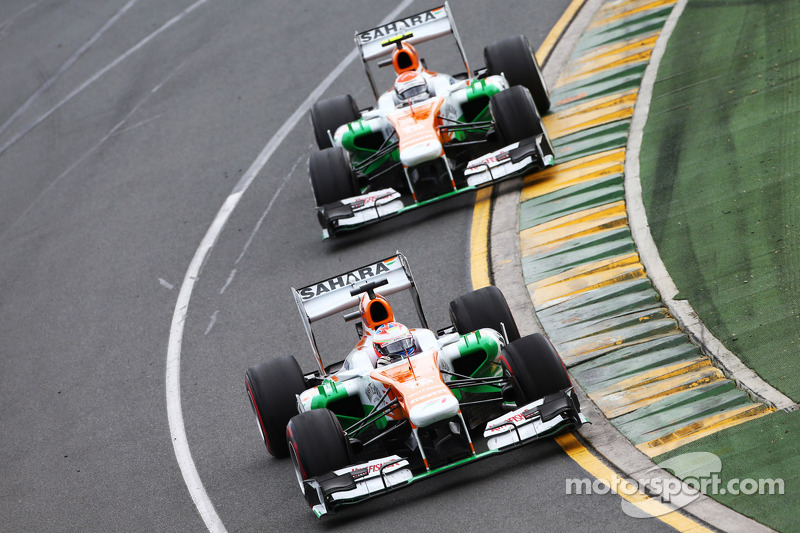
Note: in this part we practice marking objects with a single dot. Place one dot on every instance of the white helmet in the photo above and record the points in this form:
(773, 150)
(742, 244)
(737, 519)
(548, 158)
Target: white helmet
(411, 86)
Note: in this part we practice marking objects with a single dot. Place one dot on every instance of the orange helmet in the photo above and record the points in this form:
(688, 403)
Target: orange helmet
(375, 311)
(405, 58)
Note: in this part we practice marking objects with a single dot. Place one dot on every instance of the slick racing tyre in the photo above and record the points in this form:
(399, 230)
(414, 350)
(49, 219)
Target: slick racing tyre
(535, 368)
(317, 444)
(483, 308)
(272, 388)
(514, 114)
(329, 115)
(514, 58)
(332, 176)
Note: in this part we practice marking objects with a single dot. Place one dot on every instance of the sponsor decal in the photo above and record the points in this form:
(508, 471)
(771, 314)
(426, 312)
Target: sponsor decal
(519, 417)
(359, 472)
(449, 110)
(490, 160)
(401, 25)
(351, 278)
(370, 199)
(372, 393)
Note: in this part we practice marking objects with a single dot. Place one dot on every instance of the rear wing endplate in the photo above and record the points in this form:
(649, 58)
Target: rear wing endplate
(334, 295)
(376, 43)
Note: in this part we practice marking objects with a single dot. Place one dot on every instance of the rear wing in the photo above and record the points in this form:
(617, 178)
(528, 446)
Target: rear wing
(377, 43)
(340, 293)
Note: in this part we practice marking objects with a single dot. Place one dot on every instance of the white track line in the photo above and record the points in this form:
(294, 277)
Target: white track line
(68, 63)
(100, 73)
(173, 386)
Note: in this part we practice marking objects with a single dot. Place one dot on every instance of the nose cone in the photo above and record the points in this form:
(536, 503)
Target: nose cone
(421, 152)
(431, 411)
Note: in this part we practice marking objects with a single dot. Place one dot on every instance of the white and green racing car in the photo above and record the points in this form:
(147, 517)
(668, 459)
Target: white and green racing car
(406, 403)
(431, 135)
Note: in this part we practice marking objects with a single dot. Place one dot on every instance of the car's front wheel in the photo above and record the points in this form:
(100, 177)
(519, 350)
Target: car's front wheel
(317, 444)
(534, 367)
(515, 115)
(272, 388)
(332, 175)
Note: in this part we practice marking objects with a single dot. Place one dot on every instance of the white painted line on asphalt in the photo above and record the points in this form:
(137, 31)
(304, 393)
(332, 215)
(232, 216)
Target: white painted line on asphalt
(97, 75)
(68, 63)
(166, 284)
(212, 322)
(682, 310)
(111, 133)
(173, 385)
(138, 124)
(13, 18)
(269, 207)
(228, 281)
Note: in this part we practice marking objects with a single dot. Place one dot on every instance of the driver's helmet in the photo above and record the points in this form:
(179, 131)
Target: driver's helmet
(392, 341)
(411, 87)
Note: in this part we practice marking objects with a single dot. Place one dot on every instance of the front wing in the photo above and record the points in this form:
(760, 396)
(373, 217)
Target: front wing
(353, 484)
(510, 161)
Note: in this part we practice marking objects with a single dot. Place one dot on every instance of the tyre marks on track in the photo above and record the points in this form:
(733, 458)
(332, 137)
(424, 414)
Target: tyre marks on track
(97, 75)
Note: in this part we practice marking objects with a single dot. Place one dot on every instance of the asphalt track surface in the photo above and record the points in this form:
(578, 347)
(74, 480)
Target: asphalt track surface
(125, 126)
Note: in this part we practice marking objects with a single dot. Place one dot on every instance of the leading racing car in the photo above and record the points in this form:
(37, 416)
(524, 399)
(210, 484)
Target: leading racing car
(406, 403)
(430, 136)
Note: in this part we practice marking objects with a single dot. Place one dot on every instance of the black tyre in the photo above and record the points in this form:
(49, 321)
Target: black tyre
(332, 175)
(514, 58)
(483, 308)
(317, 444)
(329, 115)
(535, 368)
(514, 114)
(272, 388)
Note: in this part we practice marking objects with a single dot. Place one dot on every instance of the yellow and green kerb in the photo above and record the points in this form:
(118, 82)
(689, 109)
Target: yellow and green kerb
(581, 268)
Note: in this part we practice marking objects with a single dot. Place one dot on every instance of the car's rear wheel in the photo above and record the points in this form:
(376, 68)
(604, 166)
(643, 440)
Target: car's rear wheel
(317, 444)
(535, 368)
(332, 175)
(328, 115)
(272, 388)
(483, 308)
(515, 115)
(514, 58)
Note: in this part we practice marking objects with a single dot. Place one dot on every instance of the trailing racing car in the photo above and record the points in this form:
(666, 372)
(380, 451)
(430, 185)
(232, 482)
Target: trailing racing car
(406, 403)
(432, 135)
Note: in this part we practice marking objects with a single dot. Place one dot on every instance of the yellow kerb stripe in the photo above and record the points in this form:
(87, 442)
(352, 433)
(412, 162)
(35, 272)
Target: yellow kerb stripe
(581, 455)
(481, 213)
(552, 37)
(479, 238)
(616, 404)
(617, 11)
(580, 170)
(592, 221)
(595, 113)
(586, 277)
(701, 428)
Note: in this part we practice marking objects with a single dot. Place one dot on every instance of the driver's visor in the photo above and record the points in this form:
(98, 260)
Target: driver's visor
(413, 91)
(399, 346)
